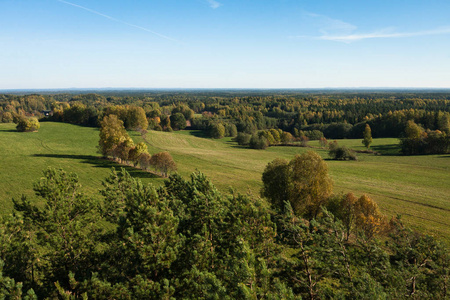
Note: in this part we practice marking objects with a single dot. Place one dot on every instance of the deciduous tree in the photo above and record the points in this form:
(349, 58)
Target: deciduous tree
(367, 140)
(163, 162)
(178, 121)
(28, 124)
(136, 151)
(368, 216)
(311, 185)
(112, 133)
(304, 182)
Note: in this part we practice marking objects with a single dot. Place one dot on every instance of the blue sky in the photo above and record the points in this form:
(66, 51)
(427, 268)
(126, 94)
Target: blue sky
(224, 43)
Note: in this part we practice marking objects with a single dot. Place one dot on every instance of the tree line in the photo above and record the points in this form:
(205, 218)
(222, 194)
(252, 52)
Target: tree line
(219, 114)
(116, 143)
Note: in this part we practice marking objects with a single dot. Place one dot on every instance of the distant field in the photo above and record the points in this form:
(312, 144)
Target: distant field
(416, 187)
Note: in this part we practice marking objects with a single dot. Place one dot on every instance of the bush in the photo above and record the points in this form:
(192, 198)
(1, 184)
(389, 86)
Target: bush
(314, 134)
(231, 130)
(7, 117)
(28, 124)
(337, 152)
(217, 131)
(258, 142)
(243, 139)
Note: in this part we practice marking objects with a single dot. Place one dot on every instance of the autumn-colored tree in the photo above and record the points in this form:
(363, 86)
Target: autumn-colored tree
(112, 133)
(165, 122)
(343, 208)
(413, 131)
(217, 131)
(28, 124)
(323, 142)
(311, 185)
(144, 160)
(368, 216)
(122, 150)
(304, 140)
(367, 140)
(136, 151)
(7, 117)
(136, 118)
(286, 137)
(163, 162)
(304, 182)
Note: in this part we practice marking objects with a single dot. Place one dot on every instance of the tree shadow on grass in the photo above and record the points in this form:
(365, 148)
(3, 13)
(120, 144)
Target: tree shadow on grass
(199, 133)
(236, 145)
(99, 162)
(388, 150)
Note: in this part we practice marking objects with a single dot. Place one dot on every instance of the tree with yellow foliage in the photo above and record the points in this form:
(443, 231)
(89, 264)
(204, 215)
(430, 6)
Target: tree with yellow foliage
(304, 182)
(112, 133)
(368, 216)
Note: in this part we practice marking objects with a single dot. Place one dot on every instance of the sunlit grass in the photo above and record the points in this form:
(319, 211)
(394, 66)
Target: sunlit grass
(416, 187)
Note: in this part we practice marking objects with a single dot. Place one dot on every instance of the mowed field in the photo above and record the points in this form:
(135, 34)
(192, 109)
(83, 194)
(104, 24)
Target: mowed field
(417, 187)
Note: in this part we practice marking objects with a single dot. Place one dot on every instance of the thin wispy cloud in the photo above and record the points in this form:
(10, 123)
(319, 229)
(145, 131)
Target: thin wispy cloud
(382, 34)
(117, 20)
(213, 4)
(330, 26)
(340, 31)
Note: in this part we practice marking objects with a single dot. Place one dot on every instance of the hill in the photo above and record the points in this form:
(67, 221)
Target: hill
(414, 186)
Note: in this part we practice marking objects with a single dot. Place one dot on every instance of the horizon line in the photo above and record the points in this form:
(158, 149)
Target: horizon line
(224, 88)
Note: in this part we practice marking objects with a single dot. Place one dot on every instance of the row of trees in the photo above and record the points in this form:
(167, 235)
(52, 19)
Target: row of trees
(387, 112)
(115, 142)
(305, 116)
(264, 138)
(187, 240)
(420, 141)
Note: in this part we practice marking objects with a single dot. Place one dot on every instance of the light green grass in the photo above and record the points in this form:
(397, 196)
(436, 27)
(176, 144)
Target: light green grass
(24, 155)
(416, 187)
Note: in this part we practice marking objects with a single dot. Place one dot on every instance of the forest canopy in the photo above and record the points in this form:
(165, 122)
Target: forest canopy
(187, 240)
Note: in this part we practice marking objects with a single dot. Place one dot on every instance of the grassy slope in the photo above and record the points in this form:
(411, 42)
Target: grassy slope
(416, 187)
(25, 155)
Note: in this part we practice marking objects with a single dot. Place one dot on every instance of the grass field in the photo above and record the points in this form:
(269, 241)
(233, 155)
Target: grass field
(416, 187)
(23, 157)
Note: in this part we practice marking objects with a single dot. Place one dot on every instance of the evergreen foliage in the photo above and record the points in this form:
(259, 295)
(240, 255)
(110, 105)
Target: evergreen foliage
(186, 240)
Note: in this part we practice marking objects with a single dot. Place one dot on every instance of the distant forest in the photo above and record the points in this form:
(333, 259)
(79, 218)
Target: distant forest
(330, 115)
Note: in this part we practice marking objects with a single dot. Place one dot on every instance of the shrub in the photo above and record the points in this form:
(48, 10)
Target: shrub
(28, 124)
(337, 152)
(258, 142)
(243, 139)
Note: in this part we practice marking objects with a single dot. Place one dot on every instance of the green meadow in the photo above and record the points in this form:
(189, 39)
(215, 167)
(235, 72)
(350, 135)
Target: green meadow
(417, 187)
